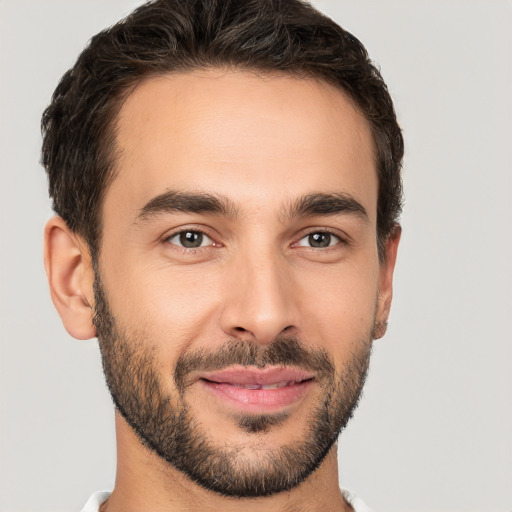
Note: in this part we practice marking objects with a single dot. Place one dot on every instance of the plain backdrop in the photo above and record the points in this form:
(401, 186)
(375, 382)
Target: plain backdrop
(434, 431)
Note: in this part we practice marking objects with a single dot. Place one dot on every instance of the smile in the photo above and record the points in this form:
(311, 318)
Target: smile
(255, 390)
(266, 386)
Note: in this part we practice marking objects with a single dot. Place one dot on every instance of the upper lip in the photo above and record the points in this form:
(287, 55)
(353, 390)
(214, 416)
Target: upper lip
(246, 375)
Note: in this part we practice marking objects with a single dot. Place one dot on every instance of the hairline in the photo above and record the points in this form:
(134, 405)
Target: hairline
(111, 129)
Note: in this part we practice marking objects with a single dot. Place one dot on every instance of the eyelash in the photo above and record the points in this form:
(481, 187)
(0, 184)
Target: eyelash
(337, 239)
(196, 231)
(179, 246)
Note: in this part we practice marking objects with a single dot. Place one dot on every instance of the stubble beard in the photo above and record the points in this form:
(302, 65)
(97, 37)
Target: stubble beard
(165, 424)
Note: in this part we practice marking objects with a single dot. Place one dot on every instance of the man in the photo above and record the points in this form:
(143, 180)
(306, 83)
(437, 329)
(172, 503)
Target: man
(226, 178)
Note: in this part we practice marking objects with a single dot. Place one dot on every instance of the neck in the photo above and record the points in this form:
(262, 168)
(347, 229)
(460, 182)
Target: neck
(145, 482)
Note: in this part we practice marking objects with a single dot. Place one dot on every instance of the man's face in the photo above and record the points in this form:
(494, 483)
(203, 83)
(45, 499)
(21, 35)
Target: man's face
(238, 283)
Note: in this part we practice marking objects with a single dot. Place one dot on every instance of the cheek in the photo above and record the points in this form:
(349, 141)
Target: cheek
(168, 306)
(181, 302)
(341, 303)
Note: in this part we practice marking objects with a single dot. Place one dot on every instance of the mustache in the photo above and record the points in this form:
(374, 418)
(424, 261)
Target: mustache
(280, 352)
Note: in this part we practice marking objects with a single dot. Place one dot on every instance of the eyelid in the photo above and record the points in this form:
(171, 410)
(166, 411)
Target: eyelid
(191, 228)
(341, 238)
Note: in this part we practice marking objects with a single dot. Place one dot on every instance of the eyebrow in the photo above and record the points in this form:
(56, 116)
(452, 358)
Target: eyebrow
(326, 204)
(186, 202)
(204, 203)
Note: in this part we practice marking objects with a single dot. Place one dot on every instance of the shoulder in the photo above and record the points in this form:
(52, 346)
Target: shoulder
(357, 504)
(94, 502)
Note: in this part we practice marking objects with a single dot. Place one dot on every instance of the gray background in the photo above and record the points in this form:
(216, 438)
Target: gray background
(434, 432)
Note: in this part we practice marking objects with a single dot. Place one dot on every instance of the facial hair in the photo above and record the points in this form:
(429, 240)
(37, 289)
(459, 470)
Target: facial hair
(166, 424)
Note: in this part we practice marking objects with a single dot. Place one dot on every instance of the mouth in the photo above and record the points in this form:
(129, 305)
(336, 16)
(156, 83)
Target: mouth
(258, 390)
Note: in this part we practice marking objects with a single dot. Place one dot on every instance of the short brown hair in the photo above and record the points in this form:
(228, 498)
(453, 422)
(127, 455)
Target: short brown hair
(165, 36)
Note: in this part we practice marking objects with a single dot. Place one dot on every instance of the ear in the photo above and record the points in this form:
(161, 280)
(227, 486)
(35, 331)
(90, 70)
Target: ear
(70, 275)
(387, 267)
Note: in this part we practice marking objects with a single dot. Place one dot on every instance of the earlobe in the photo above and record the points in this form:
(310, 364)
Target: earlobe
(386, 271)
(70, 276)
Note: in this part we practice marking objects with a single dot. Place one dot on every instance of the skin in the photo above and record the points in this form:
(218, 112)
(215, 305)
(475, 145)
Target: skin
(263, 143)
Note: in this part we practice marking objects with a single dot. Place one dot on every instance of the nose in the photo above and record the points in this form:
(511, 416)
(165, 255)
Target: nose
(260, 302)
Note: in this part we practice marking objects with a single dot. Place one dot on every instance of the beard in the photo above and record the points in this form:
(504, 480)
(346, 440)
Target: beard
(165, 423)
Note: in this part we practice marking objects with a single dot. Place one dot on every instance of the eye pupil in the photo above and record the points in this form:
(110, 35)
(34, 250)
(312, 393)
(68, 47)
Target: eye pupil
(320, 239)
(191, 239)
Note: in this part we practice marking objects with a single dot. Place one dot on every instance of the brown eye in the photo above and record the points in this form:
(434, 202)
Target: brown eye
(190, 239)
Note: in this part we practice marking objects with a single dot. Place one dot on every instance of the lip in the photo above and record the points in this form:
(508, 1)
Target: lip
(258, 390)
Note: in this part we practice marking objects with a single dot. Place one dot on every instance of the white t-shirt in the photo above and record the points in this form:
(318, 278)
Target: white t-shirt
(93, 505)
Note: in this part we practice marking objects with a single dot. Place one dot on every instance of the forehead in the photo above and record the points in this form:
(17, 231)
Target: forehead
(257, 139)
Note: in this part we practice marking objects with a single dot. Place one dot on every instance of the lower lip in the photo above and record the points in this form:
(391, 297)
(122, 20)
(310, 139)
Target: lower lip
(258, 400)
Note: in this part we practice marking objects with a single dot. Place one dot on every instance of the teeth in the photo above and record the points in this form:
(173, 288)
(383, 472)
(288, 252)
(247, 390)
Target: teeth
(275, 385)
